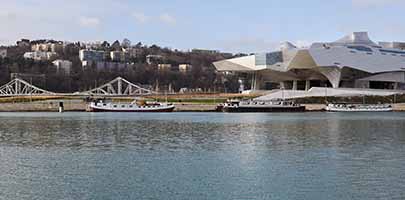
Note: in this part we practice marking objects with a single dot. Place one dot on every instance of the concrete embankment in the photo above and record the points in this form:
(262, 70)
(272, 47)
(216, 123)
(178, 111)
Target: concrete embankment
(45, 106)
(315, 107)
(400, 107)
(193, 107)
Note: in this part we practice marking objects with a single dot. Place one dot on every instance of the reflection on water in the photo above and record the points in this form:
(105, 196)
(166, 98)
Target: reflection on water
(204, 155)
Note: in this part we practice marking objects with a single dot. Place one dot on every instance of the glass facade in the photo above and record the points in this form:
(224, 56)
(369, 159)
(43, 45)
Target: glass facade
(269, 58)
(360, 48)
(392, 51)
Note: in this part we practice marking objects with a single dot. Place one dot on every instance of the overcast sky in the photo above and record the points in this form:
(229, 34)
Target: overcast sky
(231, 25)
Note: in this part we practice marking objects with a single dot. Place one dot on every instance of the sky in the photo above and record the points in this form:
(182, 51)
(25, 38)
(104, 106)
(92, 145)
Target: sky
(245, 26)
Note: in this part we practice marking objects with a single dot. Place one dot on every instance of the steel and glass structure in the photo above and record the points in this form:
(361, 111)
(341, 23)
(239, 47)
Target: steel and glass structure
(354, 61)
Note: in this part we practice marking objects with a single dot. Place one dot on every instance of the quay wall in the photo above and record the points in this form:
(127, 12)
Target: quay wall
(399, 107)
(314, 107)
(41, 107)
(193, 107)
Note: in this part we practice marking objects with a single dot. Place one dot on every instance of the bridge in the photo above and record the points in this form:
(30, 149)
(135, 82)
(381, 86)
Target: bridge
(117, 87)
(19, 87)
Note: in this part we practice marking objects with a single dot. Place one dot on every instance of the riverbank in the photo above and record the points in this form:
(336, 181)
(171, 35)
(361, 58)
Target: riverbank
(43, 106)
(80, 106)
(183, 102)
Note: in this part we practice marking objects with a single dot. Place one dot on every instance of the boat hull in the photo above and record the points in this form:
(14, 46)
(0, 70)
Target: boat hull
(163, 109)
(264, 109)
(358, 108)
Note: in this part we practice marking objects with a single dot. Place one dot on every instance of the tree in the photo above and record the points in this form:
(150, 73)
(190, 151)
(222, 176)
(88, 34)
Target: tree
(126, 43)
(138, 45)
(116, 45)
(105, 44)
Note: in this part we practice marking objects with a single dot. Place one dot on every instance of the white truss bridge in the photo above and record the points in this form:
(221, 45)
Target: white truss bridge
(119, 87)
(19, 87)
(116, 87)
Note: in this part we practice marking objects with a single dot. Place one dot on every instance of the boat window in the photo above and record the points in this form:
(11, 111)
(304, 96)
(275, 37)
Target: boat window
(123, 106)
(130, 106)
(115, 106)
(104, 104)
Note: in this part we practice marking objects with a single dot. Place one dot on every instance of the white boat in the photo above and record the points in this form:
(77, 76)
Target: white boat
(260, 106)
(134, 106)
(341, 107)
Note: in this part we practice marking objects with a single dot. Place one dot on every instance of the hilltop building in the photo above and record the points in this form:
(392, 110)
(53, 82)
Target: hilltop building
(51, 47)
(94, 45)
(119, 56)
(150, 59)
(185, 68)
(63, 66)
(164, 67)
(354, 61)
(104, 65)
(40, 55)
(91, 55)
(132, 52)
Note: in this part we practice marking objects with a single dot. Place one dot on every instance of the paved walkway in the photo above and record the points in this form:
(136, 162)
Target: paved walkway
(321, 92)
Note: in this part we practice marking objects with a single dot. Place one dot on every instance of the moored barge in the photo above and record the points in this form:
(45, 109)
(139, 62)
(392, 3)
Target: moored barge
(260, 106)
(134, 106)
(342, 107)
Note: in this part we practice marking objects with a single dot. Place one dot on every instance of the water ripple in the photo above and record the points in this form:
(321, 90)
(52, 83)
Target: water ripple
(202, 155)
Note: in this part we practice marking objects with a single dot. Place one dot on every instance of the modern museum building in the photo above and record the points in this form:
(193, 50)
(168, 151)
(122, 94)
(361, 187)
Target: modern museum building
(354, 61)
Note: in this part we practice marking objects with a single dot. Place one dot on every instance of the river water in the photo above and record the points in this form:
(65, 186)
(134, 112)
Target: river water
(202, 156)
